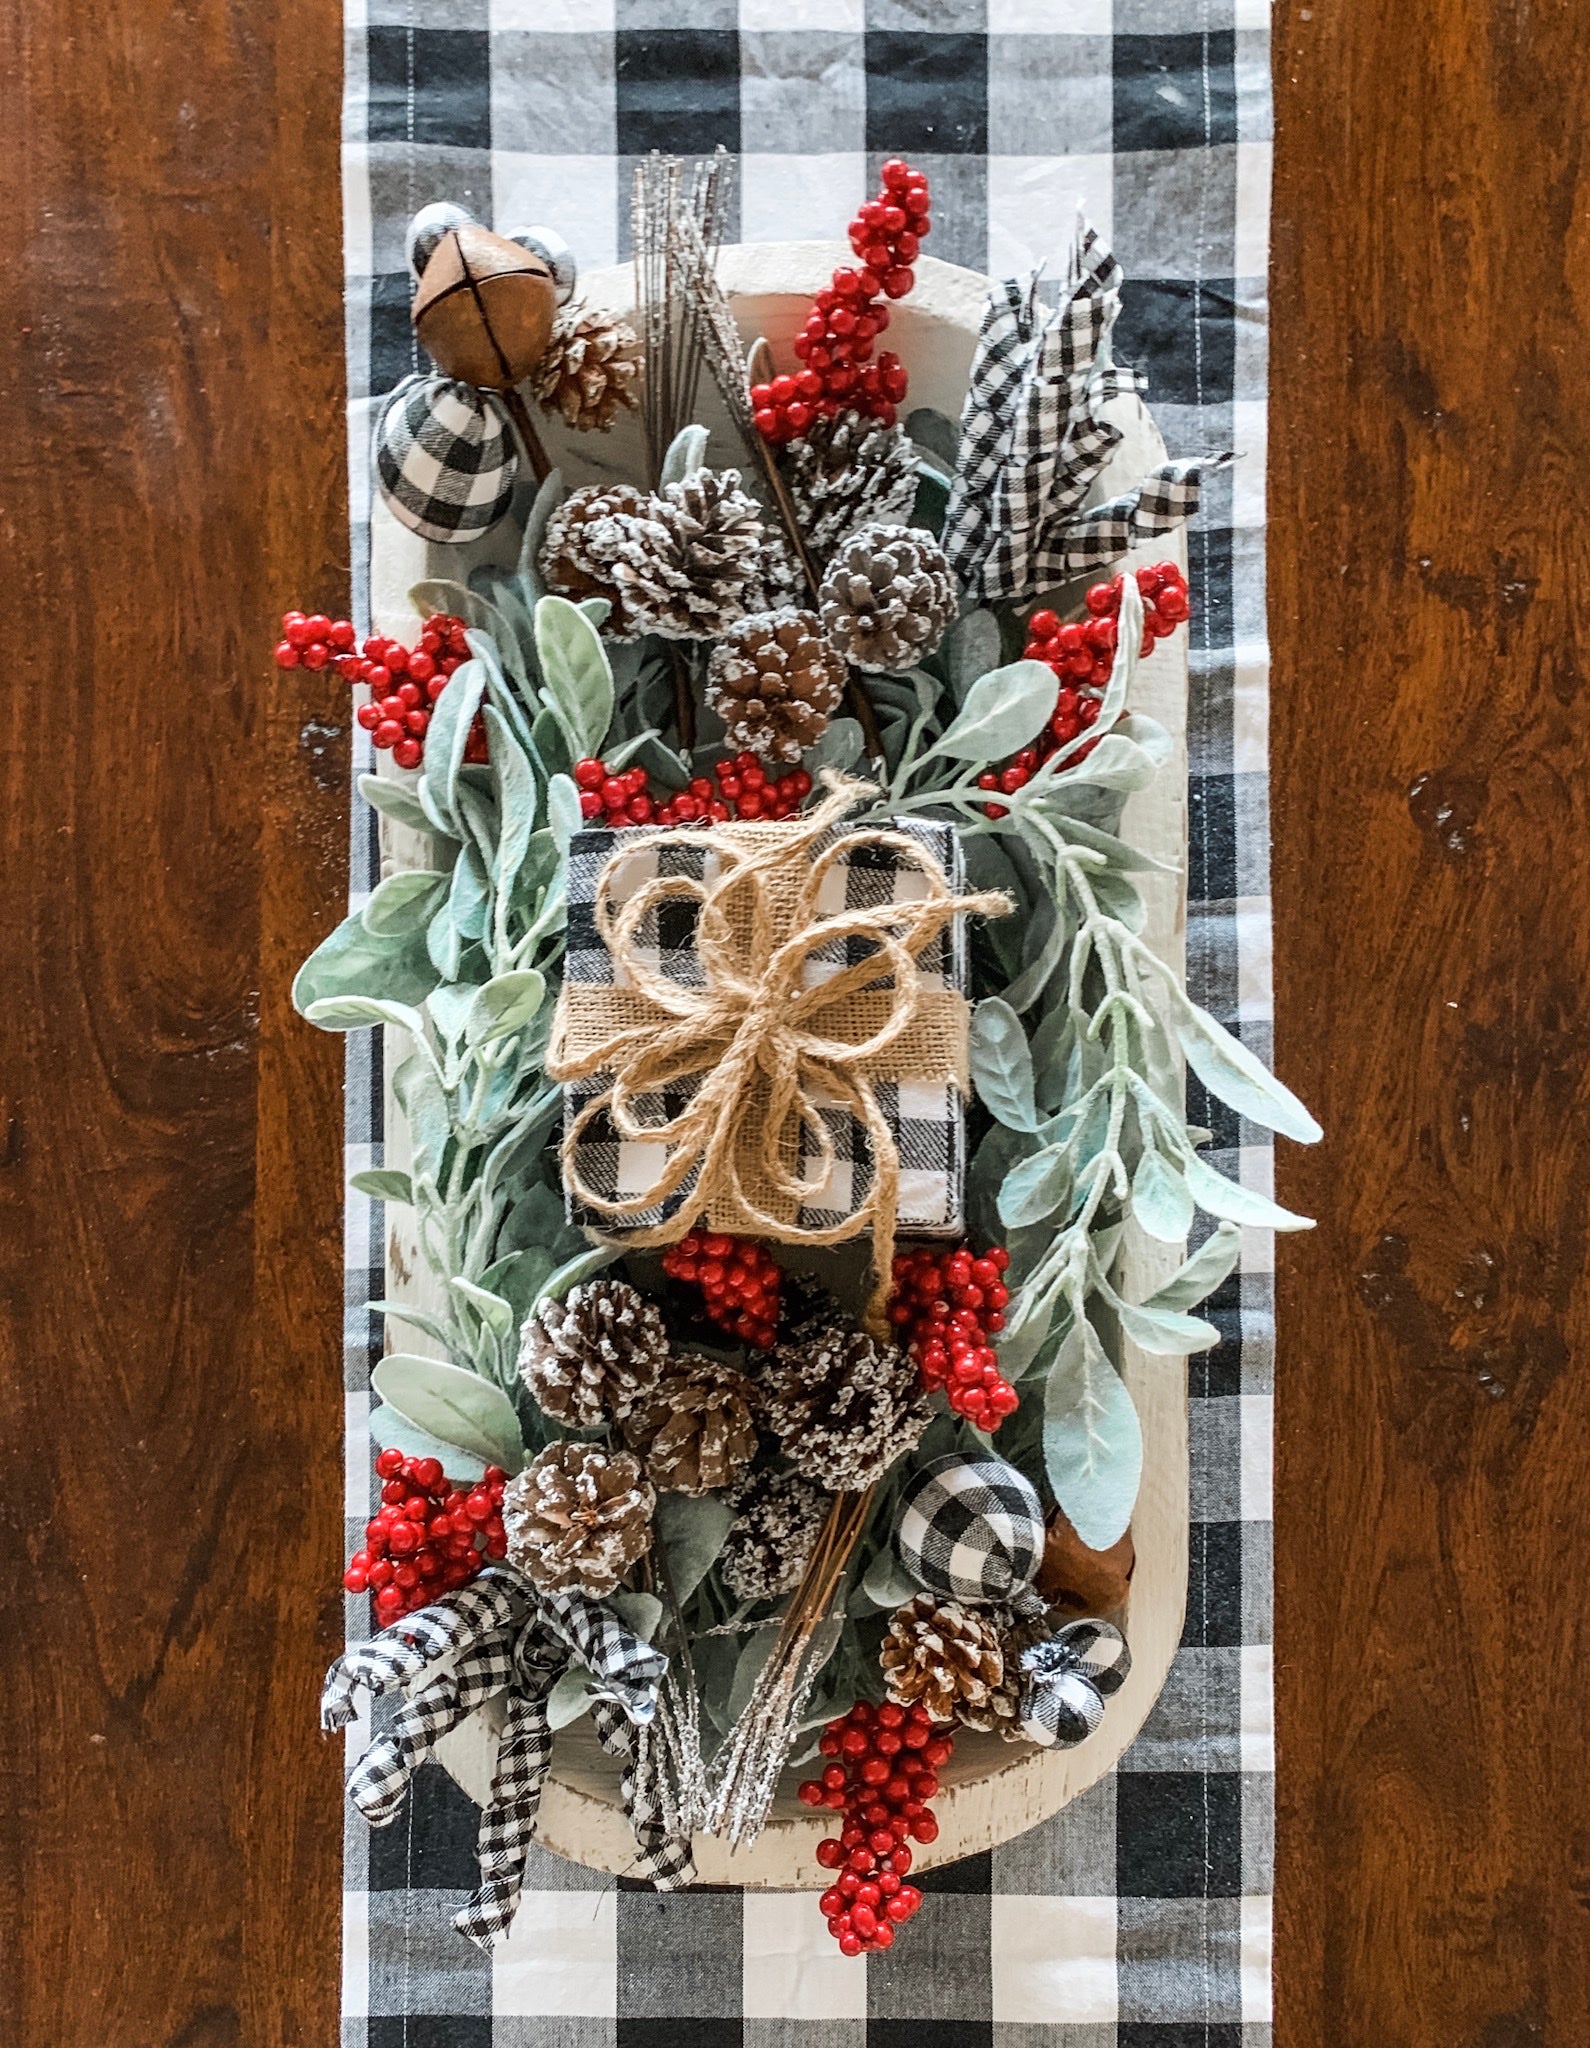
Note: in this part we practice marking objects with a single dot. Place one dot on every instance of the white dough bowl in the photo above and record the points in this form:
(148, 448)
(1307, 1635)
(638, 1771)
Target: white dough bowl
(992, 1790)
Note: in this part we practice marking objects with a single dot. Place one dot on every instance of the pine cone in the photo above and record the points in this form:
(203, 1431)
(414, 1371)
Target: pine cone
(578, 1516)
(947, 1657)
(684, 562)
(697, 1429)
(1016, 1633)
(843, 1406)
(848, 472)
(591, 369)
(590, 1358)
(779, 1515)
(888, 597)
(775, 682)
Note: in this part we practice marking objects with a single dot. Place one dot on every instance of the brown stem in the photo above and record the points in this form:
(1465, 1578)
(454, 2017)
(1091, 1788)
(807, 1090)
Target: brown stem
(856, 699)
(525, 428)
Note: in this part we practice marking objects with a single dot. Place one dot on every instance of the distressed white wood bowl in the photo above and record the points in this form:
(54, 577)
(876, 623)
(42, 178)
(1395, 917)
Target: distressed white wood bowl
(993, 1790)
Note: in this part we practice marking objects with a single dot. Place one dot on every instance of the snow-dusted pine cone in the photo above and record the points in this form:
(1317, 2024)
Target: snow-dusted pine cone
(888, 597)
(777, 1520)
(590, 1357)
(696, 1430)
(843, 1406)
(684, 562)
(578, 1516)
(591, 369)
(848, 472)
(775, 682)
(1016, 1633)
(947, 1657)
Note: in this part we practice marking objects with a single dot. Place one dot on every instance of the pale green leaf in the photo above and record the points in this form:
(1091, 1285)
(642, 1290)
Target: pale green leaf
(355, 962)
(692, 1529)
(1221, 1197)
(396, 800)
(457, 1406)
(575, 672)
(1003, 711)
(1229, 1070)
(1001, 1064)
(354, 1013)
(886, 1582)
(505, 1004)
(516, 800)
(570, 1697)
(1036, 1188)
(1166, 1332)
(639, 1612)
(392, 1431)
(1092, 1441)
(383, 1184)
(564, 816)
(1160, 1200)
(687, 452)
(1198, 1277)
(404, 902)
(493, 1311)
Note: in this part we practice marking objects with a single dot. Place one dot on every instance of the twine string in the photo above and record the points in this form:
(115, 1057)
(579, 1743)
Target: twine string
(755, 1030)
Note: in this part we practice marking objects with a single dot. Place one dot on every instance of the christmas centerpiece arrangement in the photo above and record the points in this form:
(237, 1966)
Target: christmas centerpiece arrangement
(783, 1071)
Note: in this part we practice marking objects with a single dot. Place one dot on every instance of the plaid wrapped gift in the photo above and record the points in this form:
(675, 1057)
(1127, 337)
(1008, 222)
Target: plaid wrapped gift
(925, 1116)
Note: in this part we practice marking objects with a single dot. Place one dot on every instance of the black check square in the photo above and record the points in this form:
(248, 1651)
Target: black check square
(432, 1846)
(431, 87)
(1178, 1834)
(1178, 2034)
(393, 350)
(1214, 1586)
(886, 2033)
(974, 1874)
(927, 93)
(1175, 92)
(655, 2033)
(429, 2030)
(1181, 335)
(678, 90)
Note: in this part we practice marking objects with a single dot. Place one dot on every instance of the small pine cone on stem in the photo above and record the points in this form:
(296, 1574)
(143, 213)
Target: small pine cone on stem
(578, 1516)
(778, 1518)
(589, 1358)
(775, 682)
(888, 598)
(945, 1658)
(684, 562)
(843, 1406)
(591, 370)
(697, 1429)
(848, 472)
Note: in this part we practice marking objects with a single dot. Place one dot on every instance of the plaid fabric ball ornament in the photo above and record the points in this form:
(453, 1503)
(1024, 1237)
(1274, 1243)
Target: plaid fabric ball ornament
(972, 1528)
(1066, 1680)
(444, 459)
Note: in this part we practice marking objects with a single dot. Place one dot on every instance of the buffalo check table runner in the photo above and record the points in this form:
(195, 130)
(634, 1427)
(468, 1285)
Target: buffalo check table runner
(1139, 1917)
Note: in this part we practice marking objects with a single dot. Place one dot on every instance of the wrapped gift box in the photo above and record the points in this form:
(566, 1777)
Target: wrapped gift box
(926, 1116)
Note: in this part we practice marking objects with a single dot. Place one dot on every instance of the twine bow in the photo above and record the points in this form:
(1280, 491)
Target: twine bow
(766, 1045)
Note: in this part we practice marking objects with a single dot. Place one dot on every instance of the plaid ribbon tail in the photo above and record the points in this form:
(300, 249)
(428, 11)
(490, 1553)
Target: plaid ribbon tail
(490, 1604)
(507, 1822)
(380, 1780)
(664, 1858)
(988, 415)
(1165, 499)
(627, 1671)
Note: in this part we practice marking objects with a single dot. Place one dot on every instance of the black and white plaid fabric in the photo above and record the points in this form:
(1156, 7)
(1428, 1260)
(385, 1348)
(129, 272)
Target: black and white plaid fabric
(1066, 1681)
(971, 1528)
(926, 1119)
(445, 459)
(1034, 440)
(1139, 1916)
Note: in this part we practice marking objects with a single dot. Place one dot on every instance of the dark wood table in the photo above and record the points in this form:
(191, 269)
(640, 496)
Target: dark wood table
(172, 837)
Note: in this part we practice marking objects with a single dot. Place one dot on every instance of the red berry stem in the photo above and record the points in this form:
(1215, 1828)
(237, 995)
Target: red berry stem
(740, 788)
(882, 1769)
(429, 1535)
(946, 1307)
(849, 313)
(1082, 652)
(404, 682)
(739, 1281)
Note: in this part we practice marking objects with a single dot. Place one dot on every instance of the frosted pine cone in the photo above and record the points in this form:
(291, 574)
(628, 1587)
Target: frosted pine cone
(888, 597)
(578, 1517)
(779, 1515)
(591, 369)
(696, 1430)
(775, 682)
(843, 1406)
(945, 1656)
(589, 1358)
(684, 562)
(848, 472)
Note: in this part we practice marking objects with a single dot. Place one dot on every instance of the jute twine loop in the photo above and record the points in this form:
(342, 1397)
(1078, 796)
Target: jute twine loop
(761, 1044)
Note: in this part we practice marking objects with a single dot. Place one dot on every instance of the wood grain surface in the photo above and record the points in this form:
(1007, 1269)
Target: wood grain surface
(172, 838)
(1430, 543)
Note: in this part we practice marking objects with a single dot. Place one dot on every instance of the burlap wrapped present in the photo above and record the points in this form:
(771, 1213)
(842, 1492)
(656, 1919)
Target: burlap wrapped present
(764, 1026)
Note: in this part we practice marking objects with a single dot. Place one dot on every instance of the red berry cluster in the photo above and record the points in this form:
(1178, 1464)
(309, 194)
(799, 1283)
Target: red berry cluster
(427, 1537)
(946, 1306)
(849, 314)
(404, 682)
(742, 788)
(739, 1282)
(883, 1770)
(1082, 652)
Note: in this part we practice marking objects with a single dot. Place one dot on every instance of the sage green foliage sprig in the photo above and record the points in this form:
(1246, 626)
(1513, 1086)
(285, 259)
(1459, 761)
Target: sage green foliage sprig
(463, 957)
(1076, 1052)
